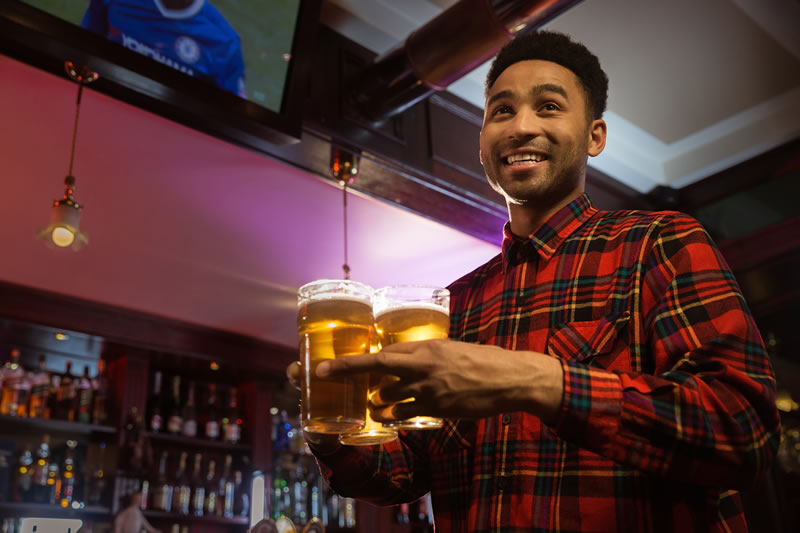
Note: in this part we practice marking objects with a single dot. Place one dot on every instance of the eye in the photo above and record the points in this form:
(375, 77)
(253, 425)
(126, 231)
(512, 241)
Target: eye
(502, 109)
(550, 106)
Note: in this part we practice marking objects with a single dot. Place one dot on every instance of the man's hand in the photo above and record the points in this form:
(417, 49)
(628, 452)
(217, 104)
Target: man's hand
(323, 443)
(451, 379)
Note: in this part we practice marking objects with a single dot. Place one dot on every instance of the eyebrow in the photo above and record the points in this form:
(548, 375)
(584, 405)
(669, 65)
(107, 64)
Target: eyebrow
(535, 91)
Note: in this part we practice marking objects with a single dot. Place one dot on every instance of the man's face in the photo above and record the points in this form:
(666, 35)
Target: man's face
(536, 135)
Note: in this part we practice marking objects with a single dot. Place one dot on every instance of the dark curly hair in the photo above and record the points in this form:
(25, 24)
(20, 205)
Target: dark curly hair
(557, 48)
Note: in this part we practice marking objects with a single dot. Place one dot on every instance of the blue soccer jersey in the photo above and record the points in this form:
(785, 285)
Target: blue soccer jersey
(196, 40)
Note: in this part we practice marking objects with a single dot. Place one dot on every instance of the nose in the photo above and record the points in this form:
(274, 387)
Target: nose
(525, 124)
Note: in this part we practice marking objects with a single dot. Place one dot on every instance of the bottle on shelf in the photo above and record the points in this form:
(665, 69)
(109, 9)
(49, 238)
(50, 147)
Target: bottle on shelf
(97, 482)
(181, 491)
(160, 487)
(100, 394)
(155, 420)
(23, 483)
(225, 490)
(402, 514)
(232, 421)
(69, 473)
(189, 413)
(136, 452)
(66, 395)
(211, 414)
(40, 488)
(175, 421)
(53, 483)
(198, 487)
(241, 496)
(83, 397)
(211, 490)
(16, 387)
(40, 391)
(51, 411)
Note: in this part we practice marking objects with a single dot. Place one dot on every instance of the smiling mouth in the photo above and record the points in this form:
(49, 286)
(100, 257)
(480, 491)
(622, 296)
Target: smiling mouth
(526, 159)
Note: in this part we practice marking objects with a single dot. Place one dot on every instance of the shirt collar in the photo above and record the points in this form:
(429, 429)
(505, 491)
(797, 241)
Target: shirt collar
(547, 239)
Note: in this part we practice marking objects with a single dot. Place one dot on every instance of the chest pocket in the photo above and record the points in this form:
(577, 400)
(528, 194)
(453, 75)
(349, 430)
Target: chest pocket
(602, 343)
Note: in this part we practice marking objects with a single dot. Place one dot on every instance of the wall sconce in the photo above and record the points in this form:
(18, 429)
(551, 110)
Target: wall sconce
(64, 229)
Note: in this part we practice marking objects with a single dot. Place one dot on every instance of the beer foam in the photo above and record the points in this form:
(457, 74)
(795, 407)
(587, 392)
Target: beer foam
(329, 297)
(424, 306)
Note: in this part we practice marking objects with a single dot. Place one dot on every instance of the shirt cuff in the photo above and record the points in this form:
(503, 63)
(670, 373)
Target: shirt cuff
(591, 406)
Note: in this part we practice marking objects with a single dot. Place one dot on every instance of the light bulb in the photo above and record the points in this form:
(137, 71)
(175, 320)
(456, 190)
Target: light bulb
(62, 237)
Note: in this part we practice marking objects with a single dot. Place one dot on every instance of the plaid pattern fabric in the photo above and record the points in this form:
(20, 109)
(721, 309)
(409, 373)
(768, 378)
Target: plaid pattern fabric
(669, 397)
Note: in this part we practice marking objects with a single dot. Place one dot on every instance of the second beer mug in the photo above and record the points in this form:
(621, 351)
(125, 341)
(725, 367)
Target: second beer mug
(405, 313)
(334, 319)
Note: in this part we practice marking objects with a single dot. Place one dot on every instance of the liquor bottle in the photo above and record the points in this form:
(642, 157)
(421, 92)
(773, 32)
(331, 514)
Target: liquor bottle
(224, 489)
(175, 421)
(212, 489)
(231, 421)
(100, 394)
(198, 487)
(402, 514)
(189, 414)
(182, 491)
(53, 484)
(241, 496)
(40, 492)
(211, 415)
(155, 418)
(160, 488)
(97, 483)
(23, 483)
(68, 475)
(40, 390)
(52, 396)
(83, 397)
(66, 395)
(16, 387)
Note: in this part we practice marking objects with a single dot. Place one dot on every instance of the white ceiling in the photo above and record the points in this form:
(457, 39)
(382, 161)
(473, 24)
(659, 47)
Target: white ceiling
(696, 86)
(190, 227)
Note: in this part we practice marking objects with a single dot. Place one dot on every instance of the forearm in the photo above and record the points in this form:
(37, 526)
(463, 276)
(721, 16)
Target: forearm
(383, 475)
(719, 430)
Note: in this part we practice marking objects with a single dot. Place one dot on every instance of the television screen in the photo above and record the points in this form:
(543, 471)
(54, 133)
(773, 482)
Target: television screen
(247, 48)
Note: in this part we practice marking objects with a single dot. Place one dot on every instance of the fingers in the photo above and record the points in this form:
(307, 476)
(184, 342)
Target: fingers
(399, 364)
(398, 411)
(294, 372)
(391, 392)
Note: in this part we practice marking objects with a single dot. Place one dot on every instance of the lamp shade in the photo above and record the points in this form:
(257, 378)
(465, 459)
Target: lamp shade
(64, 229)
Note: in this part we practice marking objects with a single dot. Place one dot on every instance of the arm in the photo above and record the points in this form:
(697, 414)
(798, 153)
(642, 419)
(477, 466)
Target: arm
(396, 472)
(389, 474)
(708, 415)
(95, 17)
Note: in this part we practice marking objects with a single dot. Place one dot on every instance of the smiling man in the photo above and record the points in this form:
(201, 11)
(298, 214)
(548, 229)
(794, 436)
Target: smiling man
(603, 372)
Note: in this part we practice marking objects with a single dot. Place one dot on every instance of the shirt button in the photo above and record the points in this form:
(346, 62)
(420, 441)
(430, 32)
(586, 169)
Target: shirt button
(506, 419)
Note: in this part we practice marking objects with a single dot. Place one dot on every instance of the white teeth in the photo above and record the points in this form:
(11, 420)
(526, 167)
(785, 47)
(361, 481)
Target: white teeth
(515, 158)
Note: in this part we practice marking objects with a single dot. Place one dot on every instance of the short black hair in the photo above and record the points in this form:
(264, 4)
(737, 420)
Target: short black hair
(560, 49)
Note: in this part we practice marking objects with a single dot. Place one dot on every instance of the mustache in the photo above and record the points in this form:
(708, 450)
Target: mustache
(517, 144)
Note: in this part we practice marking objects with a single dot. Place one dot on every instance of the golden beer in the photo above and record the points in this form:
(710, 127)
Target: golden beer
(334, 320)
(407, 314)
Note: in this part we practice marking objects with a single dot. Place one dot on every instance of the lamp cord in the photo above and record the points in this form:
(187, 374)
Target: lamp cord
(345, 266)
(75, 126)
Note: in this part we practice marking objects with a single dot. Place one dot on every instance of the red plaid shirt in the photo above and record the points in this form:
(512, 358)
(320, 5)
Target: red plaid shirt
(669, 397)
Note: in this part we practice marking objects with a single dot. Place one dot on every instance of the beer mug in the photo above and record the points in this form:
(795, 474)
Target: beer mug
(373, 432)
(334, 320)
(405, 313)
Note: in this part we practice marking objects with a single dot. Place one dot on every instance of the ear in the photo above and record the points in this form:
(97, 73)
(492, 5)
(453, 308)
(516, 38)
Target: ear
(597, 137)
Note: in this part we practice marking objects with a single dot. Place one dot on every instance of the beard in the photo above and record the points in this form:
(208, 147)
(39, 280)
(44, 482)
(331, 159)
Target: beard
(563, 173)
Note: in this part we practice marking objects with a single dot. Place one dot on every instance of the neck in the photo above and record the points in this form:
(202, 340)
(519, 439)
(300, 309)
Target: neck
(526, 218)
